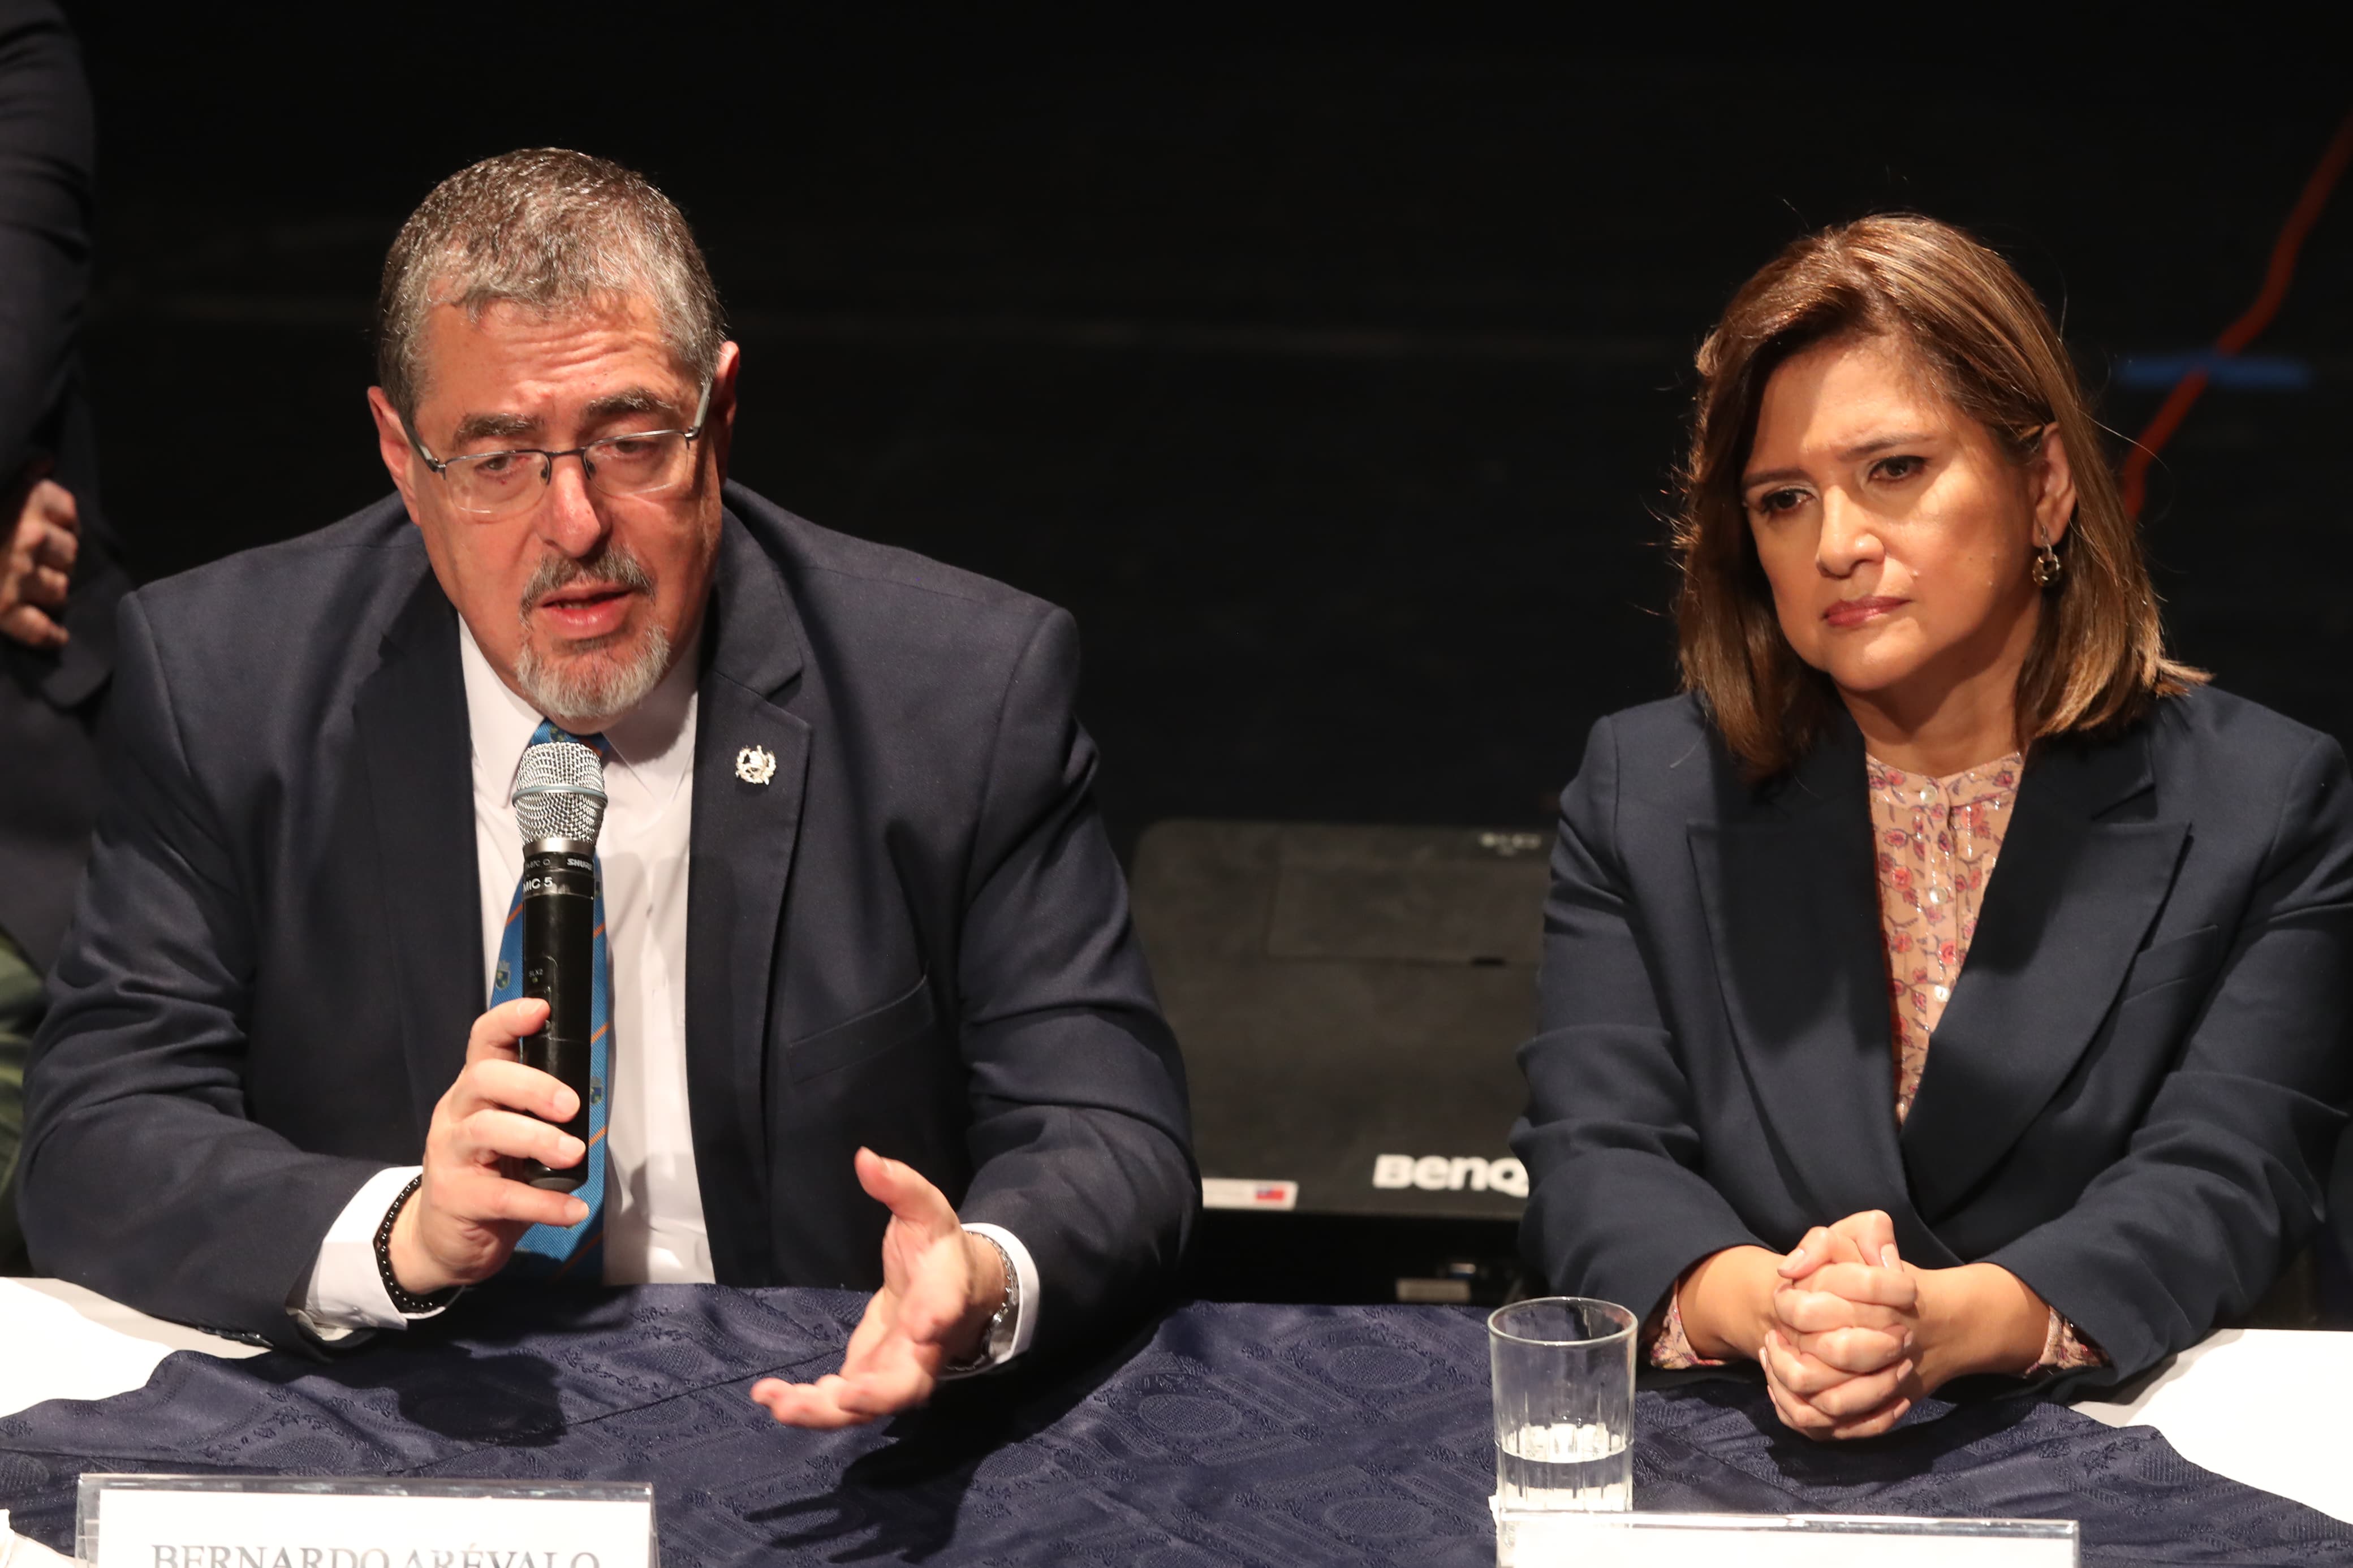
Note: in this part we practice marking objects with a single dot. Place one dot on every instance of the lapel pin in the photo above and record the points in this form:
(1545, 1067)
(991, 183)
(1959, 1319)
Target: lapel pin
(756, 764)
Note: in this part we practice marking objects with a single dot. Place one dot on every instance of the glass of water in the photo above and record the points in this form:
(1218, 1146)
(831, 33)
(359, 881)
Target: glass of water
(1563, 1370)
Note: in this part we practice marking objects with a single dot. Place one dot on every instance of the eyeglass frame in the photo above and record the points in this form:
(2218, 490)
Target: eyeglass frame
(441, 465)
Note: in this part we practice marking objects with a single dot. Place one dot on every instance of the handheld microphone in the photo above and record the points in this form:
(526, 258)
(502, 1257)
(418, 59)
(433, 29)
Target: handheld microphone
(559, 803)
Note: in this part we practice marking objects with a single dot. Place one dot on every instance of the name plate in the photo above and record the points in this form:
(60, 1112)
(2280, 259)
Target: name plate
(1563, 1540)
(257, 1521)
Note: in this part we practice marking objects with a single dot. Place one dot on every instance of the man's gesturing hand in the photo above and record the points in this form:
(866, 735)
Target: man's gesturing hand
(940, 1287)
(40, 534)
(465, 1219)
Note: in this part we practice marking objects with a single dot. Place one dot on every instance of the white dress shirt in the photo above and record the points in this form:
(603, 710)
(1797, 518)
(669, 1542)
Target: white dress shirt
(654, 1229)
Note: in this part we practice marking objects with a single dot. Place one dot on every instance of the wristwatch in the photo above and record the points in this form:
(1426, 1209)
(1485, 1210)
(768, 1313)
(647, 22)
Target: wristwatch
(409, 1303)
(997, 1339)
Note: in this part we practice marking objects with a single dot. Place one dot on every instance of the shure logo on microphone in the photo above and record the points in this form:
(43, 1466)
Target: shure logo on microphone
(1441, 1173)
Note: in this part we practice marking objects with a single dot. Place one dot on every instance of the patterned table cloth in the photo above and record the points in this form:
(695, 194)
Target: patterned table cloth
(1256, 1434)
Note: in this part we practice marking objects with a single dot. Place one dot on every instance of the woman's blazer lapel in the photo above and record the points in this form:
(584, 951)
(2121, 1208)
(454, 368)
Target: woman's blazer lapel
(1786, 879)
(2072, 899)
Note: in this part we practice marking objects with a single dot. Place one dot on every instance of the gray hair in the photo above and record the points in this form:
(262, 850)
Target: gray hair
(544, 228)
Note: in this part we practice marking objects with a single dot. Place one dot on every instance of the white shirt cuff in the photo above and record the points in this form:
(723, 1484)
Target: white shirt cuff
(345, 1290)
(1004, 1347)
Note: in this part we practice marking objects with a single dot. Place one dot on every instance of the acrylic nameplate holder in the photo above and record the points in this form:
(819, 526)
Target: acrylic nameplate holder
(1566, 1540)
(288, 1521)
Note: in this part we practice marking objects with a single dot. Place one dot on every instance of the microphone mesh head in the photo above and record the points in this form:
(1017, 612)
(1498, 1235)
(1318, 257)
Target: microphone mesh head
(559, 792)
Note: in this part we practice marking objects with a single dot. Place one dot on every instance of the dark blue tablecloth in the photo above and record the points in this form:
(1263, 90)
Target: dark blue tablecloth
(1275, 1436)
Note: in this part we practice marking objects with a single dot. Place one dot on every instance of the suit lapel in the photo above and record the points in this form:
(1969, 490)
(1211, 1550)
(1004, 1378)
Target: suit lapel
(1793, 912)
(745, 834)
(411, 716)
(2070, 901)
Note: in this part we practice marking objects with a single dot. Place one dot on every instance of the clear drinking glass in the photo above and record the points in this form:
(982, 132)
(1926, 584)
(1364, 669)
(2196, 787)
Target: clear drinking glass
(1564, 1369)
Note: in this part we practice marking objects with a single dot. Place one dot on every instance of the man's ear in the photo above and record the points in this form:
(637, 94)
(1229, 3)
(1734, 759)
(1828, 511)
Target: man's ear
(718, 419)
(392, 445)
(2052, 480)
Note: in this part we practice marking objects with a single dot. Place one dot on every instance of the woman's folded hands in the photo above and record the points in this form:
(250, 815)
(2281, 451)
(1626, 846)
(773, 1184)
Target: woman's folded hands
(1848, 1333)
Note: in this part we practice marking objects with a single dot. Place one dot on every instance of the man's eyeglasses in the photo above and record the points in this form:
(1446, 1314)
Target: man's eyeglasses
(642, 463)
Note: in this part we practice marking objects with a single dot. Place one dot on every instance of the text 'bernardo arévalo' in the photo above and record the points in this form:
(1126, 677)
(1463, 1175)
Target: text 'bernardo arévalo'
(217, 1554)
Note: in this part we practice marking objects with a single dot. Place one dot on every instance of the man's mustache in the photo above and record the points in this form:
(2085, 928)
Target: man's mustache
(612, 567)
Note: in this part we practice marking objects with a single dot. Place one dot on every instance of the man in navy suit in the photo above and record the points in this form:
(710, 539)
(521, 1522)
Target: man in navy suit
(877, 1015)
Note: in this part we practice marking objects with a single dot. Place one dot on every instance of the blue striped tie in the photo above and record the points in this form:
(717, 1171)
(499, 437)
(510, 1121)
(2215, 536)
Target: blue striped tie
(576, 1255)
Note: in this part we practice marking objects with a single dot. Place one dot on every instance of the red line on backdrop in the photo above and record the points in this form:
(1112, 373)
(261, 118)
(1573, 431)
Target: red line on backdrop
(2243, 332)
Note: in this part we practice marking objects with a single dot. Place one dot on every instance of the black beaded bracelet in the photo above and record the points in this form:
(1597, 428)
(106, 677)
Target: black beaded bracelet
(409, 1303)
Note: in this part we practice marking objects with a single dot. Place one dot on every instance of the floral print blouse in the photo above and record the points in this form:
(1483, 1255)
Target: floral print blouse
(1936, 840)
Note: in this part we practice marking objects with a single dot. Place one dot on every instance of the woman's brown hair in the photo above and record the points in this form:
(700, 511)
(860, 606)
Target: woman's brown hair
(1965, 317)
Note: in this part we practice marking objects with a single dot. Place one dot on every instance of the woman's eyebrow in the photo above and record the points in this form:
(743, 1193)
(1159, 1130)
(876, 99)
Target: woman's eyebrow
(1882, 443)
(1862, 449)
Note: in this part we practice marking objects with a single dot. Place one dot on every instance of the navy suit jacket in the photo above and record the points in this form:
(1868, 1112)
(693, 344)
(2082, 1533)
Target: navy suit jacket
(914, 937)
(2131, 1097)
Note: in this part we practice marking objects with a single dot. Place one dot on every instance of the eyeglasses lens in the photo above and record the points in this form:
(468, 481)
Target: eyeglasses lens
(494, 483)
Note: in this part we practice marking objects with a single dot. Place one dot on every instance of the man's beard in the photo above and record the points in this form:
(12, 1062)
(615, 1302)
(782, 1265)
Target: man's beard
(593, 685)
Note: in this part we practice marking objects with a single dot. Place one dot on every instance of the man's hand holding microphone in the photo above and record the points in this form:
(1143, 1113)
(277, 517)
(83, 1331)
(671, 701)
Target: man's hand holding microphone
(941, 1284)
(462, 1223)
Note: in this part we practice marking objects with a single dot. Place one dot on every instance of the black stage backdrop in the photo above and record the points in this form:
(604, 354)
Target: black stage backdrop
(1333, 377)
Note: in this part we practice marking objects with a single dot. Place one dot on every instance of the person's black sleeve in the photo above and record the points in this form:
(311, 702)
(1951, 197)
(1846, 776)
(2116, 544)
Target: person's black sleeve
(2224, 1179)
(1617, 1207)
(1081, 1136)
(46, 160)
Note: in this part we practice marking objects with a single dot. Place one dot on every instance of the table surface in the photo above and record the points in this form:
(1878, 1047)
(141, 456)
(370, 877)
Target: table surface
(1232, 1434)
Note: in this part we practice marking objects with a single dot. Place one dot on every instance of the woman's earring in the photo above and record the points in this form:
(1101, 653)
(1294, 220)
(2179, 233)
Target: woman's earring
(2047, 568)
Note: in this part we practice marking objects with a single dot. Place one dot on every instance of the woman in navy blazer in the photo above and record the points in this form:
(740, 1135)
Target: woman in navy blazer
(1771, 1107)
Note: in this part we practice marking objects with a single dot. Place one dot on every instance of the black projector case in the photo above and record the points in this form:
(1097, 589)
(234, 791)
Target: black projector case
(1345, 994)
